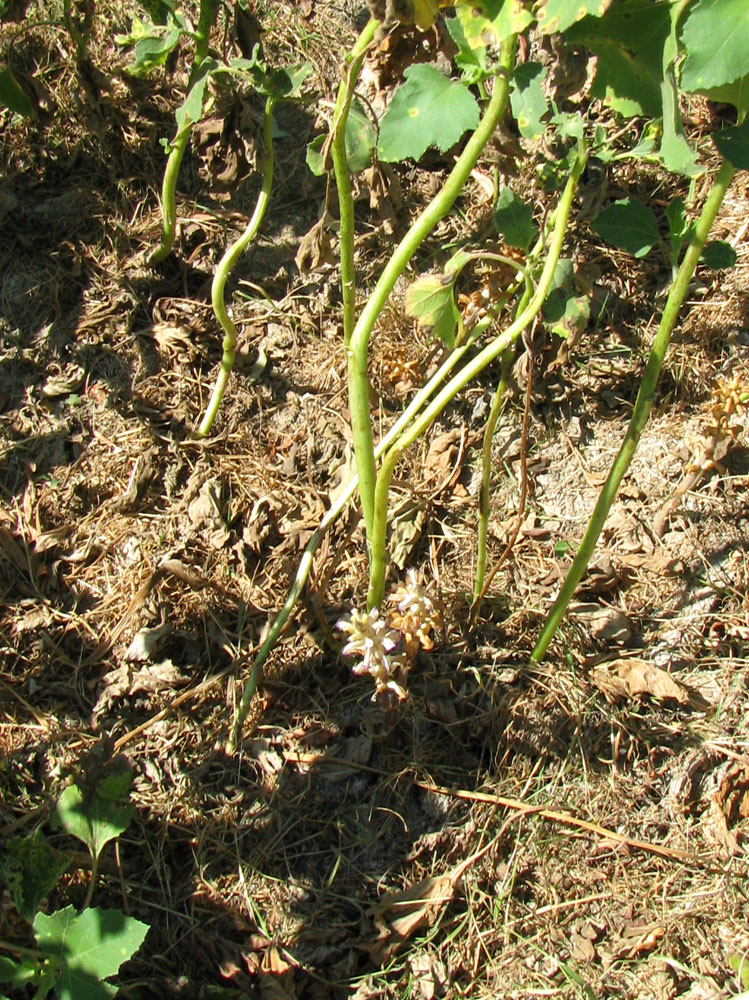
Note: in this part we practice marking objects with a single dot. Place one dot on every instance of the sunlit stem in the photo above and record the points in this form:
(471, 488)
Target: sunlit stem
(466, 374)
(224, 269)
(440, 205)
(641, 411)
(201, 36)
(507, 359)
(305, 564)
(353, 62)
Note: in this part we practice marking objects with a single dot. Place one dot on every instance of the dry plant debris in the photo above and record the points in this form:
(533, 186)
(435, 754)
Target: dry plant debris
(580, 829)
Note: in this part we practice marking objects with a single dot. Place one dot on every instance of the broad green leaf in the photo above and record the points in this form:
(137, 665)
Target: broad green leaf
(30, 868)
(628, 41)
(715, 34)
(470, 60)
(361, 139)
(191, 109)
(12, 96)
(431, 302)
(514, 220)
(565, 312)
(733, 144)
(488, 22)
(88, 947)
(559, 15)
(628, 225)
(94, 819)
(427, 110)
(718, 255)
(528, 100)
(675, 152)
(152, 45)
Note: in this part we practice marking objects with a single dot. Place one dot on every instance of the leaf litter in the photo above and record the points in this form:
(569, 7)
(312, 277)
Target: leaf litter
(342, 854)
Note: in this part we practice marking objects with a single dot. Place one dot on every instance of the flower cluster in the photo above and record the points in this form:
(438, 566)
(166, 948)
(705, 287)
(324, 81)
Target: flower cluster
(372, 640)
(416, 616)
(376, 641)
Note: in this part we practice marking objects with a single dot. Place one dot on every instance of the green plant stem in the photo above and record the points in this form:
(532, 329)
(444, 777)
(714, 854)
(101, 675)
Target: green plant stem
(206, 17)
(641, 411)
(486, 471)
(507, 359)
(378, 549)
(78, 30)
(305, 564)
(354, 61)
(440, 205)
(224, 269)
(21, 950)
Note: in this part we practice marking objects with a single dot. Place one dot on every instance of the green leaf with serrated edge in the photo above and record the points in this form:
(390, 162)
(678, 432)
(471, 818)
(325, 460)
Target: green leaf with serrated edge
(559, 15)
(514, 220)
(564, 311)
(528, 100)
(88, 947)
(628, 41)
(30, 868)
(718, 255)
(733, 144)
(427, 110)
(470, 60)
(489, 22)
(431, 302)
(715, 35)
(94, 820)
(12, 96)
(628, 225)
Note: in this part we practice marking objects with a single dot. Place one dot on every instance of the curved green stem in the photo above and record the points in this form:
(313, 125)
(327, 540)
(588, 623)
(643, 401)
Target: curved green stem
(224, 269)
(463, 377)
(305, 563)
(206, 17)
(440, 205)
(641, 411)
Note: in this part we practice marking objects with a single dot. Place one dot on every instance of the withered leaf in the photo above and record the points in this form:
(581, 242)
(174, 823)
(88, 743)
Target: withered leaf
(630, 678)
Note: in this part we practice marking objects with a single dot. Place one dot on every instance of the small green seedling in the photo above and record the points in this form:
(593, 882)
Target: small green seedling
(96, 814)
(76, 952)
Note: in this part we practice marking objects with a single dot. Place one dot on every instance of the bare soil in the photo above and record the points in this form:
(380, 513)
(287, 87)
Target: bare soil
(557, 831)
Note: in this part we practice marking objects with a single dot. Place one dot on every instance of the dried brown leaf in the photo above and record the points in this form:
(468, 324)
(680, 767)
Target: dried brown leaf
(631, 678)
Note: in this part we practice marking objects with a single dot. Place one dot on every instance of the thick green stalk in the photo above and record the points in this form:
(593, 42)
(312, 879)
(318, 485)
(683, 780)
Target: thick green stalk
(641, 411)
(354, 60)
(486, 472)
(440, 205)
(305, 563)
(463, 377)
(178, 147)
(224, 269)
